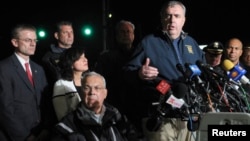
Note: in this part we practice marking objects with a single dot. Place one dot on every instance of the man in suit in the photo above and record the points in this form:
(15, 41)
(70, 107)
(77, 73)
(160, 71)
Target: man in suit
(20, 99)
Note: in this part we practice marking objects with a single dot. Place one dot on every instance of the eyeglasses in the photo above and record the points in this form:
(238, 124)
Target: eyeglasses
(95, 88)
(27, 40)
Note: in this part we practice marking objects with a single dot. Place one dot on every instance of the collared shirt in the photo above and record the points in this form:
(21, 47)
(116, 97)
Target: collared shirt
(22, 61)
(96, 117)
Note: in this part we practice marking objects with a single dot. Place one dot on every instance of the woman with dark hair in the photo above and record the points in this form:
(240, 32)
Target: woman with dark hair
(67, 90)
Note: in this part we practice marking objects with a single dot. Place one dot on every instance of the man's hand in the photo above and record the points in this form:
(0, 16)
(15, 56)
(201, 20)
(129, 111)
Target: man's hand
(147, 72)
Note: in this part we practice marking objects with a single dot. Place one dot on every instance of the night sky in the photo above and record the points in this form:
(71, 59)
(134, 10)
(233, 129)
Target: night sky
(206, 20)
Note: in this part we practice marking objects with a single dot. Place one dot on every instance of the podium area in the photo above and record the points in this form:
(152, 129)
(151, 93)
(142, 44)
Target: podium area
(220, 118)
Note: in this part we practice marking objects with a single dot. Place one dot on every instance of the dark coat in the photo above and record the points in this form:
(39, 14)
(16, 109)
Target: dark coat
(20, 102)
(79, 126)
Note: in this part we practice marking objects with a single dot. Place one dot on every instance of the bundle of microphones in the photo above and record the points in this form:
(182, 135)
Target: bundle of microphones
(204, 89)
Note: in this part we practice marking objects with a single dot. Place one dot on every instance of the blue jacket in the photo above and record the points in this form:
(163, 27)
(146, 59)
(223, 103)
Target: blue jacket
(159, 48)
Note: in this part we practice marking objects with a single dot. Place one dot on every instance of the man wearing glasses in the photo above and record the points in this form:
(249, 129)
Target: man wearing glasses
(94, 119)
(20, 94)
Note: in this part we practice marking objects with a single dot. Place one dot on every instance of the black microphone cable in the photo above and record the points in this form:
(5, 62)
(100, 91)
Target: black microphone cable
(245, 98)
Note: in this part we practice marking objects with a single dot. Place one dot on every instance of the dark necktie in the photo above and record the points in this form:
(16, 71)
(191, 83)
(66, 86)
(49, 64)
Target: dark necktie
(28, 72)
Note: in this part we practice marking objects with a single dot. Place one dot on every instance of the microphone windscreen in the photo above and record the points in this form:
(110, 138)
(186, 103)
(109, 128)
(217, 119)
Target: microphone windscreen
(181, 90)
(227, 65)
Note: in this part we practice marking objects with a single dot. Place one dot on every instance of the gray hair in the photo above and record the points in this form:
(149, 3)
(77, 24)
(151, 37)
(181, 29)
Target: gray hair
(15, 33)
(93, 73)
(63, 23)
(124, 22)
(170, 4)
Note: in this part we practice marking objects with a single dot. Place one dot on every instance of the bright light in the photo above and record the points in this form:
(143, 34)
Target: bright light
(87, 31)
(110, 15)
(41, 34)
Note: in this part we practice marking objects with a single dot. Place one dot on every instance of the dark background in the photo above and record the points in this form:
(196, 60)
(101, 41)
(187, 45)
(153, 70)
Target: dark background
(206, 20)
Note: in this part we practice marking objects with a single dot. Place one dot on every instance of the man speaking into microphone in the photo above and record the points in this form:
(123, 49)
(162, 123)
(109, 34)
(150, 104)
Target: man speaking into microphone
(156, 56)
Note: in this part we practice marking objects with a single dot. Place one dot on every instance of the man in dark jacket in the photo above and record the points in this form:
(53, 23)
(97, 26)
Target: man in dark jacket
(65, 37)
(94, 120)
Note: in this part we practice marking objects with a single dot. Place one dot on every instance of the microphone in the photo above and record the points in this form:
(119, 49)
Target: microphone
(193, 71)
(180, 91)
(163, 88)
(192, 117)
(236, 72)
(166, 101)
(154, 122)
(165, 91)
(173, 99)
(176, 100)
(209, 70)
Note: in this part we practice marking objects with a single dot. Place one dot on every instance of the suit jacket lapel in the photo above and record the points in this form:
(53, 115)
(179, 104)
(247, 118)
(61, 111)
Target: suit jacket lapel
(21, 72)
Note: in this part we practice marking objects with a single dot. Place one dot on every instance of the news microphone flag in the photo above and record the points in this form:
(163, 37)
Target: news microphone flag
(236, 72)
(175, 102)
(193, 70)
(163, 87)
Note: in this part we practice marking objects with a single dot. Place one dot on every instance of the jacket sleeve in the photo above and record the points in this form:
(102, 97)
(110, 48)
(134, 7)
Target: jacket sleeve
(69, 137)
(65, 98)
(62, 132)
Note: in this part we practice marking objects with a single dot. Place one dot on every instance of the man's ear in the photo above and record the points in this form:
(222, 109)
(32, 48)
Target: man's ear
(106, 93)
(56, 35)
(14, 42)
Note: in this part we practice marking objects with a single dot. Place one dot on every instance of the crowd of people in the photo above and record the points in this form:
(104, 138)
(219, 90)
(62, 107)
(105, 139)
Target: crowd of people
(123, 96)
